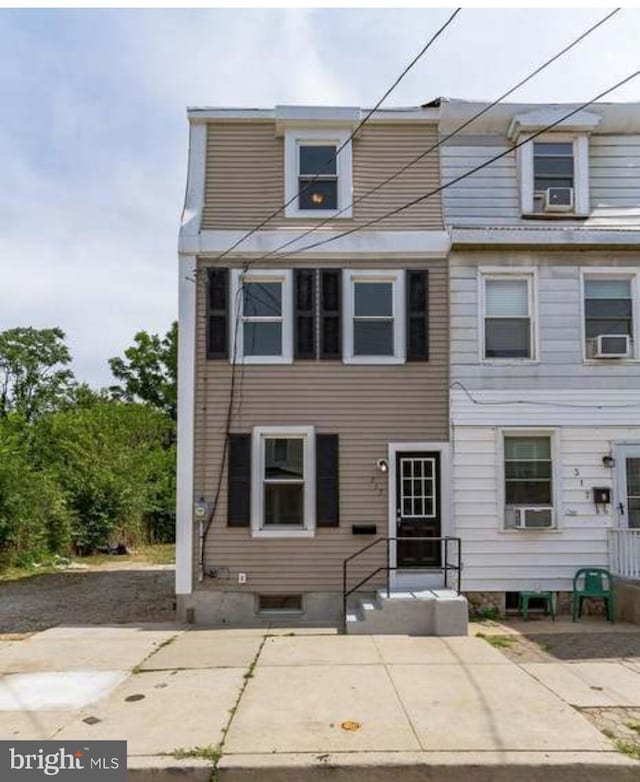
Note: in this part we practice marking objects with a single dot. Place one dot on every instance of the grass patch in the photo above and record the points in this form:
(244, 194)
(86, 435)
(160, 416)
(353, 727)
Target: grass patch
(544, 645)
(634, 726)
(629, 748)
(499, 641)
(486, 614)
(208, 752)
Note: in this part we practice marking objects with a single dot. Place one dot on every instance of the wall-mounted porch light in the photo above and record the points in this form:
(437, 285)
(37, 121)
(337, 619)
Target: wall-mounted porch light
(608, 461)
(382, 465)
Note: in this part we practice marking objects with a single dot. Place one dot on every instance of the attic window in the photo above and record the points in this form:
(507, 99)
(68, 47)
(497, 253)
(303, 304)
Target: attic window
(554, 175)
(318, 177)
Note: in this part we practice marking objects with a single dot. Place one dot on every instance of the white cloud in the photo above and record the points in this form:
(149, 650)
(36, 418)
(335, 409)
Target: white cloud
(94, 132)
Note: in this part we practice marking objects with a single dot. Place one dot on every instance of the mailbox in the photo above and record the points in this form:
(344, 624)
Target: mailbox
(602, 496)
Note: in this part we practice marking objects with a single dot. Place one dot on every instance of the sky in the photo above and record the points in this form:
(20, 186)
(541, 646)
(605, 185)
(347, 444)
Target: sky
(93, 130)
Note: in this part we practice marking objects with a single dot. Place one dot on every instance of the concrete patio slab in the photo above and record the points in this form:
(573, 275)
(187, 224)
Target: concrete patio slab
(74, 655)
(430, 766)
(180, 709)
(320, 709)
(488, 707)
(319, 650)
(56, 691)
(589, 684)
(31, 724)
(204, 650)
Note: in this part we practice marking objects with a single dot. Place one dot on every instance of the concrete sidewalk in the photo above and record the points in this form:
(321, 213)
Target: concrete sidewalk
(274, 706)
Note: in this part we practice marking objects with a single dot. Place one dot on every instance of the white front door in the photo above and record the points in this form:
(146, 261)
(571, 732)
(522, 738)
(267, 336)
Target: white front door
(628, 485)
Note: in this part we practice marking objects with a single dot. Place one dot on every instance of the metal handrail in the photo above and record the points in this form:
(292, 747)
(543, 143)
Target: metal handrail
(445, 567)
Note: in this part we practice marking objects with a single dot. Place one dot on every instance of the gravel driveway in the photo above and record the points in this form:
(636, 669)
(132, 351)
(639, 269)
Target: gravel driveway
(104, 595)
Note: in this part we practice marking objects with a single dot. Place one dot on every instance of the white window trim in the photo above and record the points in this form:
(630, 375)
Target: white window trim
(580, 174)
(293, 138)
(529, 273)
(556, 476)
(257, 472)
(395, 276)
(628, 273)
(262, 275)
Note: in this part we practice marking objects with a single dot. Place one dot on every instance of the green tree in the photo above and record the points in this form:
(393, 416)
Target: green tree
(34, 371)
(149, 370)
(114, 464)
(34, 518)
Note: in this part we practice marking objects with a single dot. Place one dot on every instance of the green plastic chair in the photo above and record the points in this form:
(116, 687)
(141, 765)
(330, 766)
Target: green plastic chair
(597, 582)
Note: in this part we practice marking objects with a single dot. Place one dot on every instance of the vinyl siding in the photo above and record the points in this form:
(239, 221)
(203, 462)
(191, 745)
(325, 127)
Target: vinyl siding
(516, 560)
(559, 323)
(245, 177)
(367, 406)
(492, 196)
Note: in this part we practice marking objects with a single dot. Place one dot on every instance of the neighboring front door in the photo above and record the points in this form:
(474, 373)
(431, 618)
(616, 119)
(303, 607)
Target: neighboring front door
(418, 508)
(629, 486)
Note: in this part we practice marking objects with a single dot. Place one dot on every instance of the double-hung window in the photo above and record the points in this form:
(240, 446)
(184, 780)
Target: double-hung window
(553, 167)
(528, 481)
(318, 173)
(508, 317)
(608, 315)
(263, 306)
(317, 176)
(374, 326)
(283, 494)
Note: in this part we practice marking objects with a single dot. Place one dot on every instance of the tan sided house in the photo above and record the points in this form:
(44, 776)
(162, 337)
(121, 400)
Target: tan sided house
(313, 385)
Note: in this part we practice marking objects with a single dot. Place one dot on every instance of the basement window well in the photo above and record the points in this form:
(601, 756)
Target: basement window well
(268, 604)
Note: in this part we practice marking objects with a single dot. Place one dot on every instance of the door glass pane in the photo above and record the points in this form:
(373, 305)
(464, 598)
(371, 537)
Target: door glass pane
(262, 299)
(373, 299)
(507, 338)
(262, 339)
(417, 487)
(283, 504)
(283, 459)
(633, 492)
(506, 298)
(373, 337)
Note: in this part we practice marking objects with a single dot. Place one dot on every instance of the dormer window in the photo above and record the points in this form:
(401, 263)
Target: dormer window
(553, 176)
(317, 173)
(317, 176)
(553, 168)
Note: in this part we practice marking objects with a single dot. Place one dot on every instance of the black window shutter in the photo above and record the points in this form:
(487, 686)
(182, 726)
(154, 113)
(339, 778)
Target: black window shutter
(327, 481)
(239, 481)
(305, 307)
(330, 296)
(217, 313)
(417, 315)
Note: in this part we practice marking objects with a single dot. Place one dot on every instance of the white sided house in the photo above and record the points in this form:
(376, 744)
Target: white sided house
(544, 344)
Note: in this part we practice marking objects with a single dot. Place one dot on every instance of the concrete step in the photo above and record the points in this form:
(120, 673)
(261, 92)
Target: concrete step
(427, 612)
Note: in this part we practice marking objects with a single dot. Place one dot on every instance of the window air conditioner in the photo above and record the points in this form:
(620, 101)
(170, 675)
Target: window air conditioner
(558, 199)
(533, 517)
(613, 346)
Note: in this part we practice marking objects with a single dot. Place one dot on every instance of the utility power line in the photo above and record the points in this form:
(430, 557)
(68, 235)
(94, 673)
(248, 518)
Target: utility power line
(441, 141)
(347, 141)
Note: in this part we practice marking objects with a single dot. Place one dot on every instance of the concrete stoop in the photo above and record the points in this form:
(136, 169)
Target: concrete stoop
(430, 767)
(428, 612)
